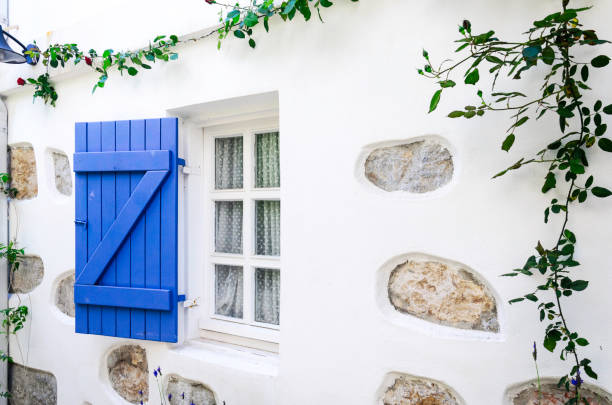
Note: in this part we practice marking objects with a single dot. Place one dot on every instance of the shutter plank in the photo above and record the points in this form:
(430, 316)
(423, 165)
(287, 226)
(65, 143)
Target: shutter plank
(152, 231)
(94, 216)
(111, 296)
(122, 194)
(169, 230)
(80, 212)
(138, 257)
(109, 277)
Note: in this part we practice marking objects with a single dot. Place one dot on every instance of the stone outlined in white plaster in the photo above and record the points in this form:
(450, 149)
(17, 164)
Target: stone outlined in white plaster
(428, 391)
(425, 326)
(527, 393)
(59, 176)
(367, 150)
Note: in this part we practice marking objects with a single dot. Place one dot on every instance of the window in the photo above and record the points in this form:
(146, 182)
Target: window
(242, 202)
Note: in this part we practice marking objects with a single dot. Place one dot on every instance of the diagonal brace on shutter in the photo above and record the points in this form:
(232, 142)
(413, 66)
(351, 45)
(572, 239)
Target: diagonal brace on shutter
(121, 227)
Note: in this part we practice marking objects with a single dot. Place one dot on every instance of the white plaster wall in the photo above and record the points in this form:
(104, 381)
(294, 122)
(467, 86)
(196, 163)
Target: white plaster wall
(342, 85)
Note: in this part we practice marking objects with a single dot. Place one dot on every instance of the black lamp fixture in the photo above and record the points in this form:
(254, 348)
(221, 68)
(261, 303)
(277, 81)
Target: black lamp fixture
(7, 55)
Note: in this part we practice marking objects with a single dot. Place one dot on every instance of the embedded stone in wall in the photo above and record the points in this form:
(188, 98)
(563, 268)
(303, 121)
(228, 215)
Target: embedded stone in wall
(64, 295)
(416, 391)
(444, 293)
(551, 395)
(194, 391)
(416, 167)
(63, 176)
(128, 373)
(29, 386)
(28, 275)
(23, 171)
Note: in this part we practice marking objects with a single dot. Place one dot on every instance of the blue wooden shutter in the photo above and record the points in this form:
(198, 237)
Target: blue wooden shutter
(126, 228)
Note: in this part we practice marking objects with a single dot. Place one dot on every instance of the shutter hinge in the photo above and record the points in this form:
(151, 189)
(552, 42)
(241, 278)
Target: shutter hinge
(189, 303)
(187, 170)
(80, 222)
(180, 162)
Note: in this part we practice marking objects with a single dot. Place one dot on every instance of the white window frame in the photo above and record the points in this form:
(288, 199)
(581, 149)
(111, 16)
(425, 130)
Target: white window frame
(219, 325)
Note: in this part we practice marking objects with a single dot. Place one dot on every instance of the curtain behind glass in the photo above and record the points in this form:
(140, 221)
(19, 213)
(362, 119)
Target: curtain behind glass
(267, 228)
(228, 226)
(228, 290)
(267, 172)
(267, 296)
(228, 163)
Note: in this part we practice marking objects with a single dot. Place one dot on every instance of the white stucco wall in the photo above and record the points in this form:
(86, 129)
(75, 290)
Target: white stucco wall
(342, 85)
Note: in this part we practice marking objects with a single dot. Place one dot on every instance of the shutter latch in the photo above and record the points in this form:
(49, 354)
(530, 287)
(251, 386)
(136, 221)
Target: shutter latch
(80, 222)
(189, 303)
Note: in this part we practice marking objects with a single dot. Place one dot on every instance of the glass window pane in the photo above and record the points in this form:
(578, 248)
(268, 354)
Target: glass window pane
(228, 163)
(267, 228)
(267, 296)
(228, 226)
(228, 290)
(267, 166)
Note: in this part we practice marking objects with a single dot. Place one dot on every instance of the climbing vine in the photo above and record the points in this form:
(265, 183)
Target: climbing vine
(235, 20)
(548, 49)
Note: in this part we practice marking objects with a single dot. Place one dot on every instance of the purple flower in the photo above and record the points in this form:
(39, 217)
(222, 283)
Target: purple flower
(577, 380)
(535, 352)
(169, 397)
(140, 392)
(159, 370)
(155, 373)
(183, 395)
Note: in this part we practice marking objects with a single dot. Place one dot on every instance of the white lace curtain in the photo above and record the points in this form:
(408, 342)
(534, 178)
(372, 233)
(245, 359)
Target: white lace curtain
(228, 290)
(267, 165)
(228, 226)
(267, 296)
(267, 228)
(228, 163)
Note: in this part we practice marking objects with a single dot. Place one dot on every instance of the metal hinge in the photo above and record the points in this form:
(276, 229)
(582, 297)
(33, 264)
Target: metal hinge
(191, 303)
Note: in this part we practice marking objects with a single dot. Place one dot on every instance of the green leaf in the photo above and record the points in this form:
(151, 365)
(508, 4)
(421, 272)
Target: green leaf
(239, 34)
(584, 73)
(549, 344)
(252, 43)
(600, 130)
(251, 19)
(531, 297)
(589, 371)
(608, 109)
(472, 77)
(548, 55)
(579, 285)
(326, 3)
(582, 342)
(605, 144)
(433, 104)
(447, 83)
(515, 300)
(600, 61)
(521, 122)
(132, 71)
(508, 142)
(456, 114)
(601, 192)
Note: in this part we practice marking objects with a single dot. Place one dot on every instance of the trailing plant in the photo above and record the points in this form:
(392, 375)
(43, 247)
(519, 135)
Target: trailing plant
(548, 51)
(234, 20)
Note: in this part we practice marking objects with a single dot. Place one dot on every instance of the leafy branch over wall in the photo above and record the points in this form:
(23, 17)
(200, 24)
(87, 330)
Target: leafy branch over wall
(235, 20)
(548, 50)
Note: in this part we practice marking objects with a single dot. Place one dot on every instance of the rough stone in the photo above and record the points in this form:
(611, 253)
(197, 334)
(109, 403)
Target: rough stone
(23, 171)
(28, 275)
(29, 386)
(443, 293)
(64, 295)
(551, 395)
(415, 391)
(195, 392)
(63, 175)
(128, 373)
(416, 167)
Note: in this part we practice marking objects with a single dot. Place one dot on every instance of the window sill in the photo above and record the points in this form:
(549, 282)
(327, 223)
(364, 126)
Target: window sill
(228, 355)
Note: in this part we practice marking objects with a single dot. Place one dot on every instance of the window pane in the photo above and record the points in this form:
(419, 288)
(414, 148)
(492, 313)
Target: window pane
(267, 172)
(267, 296)
(267, 228)
(228, 226)
(228, 290)
(228, 163)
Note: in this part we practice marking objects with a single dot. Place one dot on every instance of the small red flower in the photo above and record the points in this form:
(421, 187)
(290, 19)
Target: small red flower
(88, 60)
(210, 1)
(21, 82)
